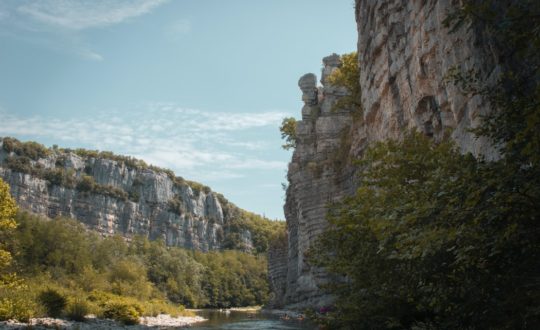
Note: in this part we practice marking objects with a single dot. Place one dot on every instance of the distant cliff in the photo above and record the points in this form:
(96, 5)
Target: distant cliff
(122, 195)
(404, 53)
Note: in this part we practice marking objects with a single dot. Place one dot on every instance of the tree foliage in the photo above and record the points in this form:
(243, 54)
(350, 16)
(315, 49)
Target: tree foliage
(8, 209)
(348, 76)
(437, 239)
(288, 132)
(114, 276)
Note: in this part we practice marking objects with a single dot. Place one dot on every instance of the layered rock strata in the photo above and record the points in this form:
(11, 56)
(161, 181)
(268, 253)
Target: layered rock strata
(277, 271)
(317, 176)
(130, 201)
(405, 52)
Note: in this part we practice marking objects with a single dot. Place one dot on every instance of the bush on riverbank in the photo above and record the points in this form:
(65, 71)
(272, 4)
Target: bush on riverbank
(98, 275)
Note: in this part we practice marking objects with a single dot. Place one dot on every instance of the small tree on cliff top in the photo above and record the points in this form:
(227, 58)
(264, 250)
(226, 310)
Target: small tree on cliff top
(348, 76)
(288, 132)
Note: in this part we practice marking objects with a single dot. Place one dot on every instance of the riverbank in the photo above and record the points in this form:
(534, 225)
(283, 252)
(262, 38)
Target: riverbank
(146, 322)
(247, 309)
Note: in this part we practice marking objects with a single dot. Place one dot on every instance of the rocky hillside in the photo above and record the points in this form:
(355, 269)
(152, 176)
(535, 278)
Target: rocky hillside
(404, 53)
(122, 195)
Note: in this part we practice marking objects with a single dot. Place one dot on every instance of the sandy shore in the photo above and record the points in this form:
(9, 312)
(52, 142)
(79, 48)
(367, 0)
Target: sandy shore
(147, 322)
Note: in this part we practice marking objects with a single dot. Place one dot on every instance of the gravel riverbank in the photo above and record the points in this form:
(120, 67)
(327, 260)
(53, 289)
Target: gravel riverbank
(147, 322)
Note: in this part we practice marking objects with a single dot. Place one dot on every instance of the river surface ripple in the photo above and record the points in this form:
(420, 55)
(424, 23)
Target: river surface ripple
(240, 320)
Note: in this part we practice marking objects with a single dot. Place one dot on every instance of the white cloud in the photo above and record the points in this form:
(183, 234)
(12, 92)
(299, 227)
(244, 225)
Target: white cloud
(180, 27)
(194, 143)
(57, 24)
(80, 14)
(90, 55)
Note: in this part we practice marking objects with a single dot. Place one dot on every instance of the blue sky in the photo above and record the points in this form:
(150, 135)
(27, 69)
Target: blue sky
(197, 86)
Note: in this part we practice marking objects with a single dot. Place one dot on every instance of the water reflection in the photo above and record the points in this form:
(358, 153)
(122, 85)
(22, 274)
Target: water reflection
(241, 320)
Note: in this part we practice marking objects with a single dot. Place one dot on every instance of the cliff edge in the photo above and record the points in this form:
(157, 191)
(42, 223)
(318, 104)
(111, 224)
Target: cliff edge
(404, 51)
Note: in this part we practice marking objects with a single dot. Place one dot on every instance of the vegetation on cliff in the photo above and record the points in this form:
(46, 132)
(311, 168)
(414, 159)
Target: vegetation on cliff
(60, 260)
(288, 132)
(436, 239)
(348, 76)
(50, 164)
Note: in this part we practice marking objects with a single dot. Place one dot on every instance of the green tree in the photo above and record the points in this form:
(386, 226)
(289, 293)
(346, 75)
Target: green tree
(433, 237)
(8, 209)
(437, 239)
(288, 132)
(348, 76)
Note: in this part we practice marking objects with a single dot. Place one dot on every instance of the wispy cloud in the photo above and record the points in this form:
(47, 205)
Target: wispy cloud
(192, 142)
(59, 24)
(80, 14)
(179, 28)
(90, 55)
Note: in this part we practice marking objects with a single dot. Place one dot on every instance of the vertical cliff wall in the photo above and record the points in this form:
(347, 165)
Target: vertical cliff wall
(277, 270)
(317, 175)
(404, 54)
(120, 195)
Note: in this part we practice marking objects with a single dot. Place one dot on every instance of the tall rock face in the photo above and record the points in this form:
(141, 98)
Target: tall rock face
(118, 196)
(277, 270)
(404, 54)
(317, 175)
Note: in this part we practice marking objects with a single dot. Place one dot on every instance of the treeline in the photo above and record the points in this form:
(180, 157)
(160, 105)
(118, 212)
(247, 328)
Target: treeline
(434, 239)
(138, 277)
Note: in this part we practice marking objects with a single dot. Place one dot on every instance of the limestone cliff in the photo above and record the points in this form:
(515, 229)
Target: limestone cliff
(404, 54)
(317, 175)
(121, 195)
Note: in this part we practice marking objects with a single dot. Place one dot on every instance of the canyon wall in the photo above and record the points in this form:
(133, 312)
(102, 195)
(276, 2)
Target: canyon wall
(113, 196)
(317, 175)
(404, 51)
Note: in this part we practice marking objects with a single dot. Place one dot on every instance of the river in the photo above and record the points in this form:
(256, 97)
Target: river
(241, 320)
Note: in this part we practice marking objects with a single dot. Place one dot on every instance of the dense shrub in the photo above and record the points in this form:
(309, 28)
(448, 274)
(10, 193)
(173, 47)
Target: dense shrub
(241, 221)
(348, 76)
(16, 304)
(32, 150)
(107, 269)
(176, 205)
(134, 196)
(86, 184)
(433, 237)
(198, 187)
(77, 309)
(127, 161)
(60, 177)
(89, 185)
(53, 301)
(21, 164)
(111, 191)
(122, 312)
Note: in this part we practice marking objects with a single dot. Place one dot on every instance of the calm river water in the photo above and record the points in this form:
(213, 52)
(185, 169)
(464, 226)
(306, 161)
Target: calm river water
(237, 320)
